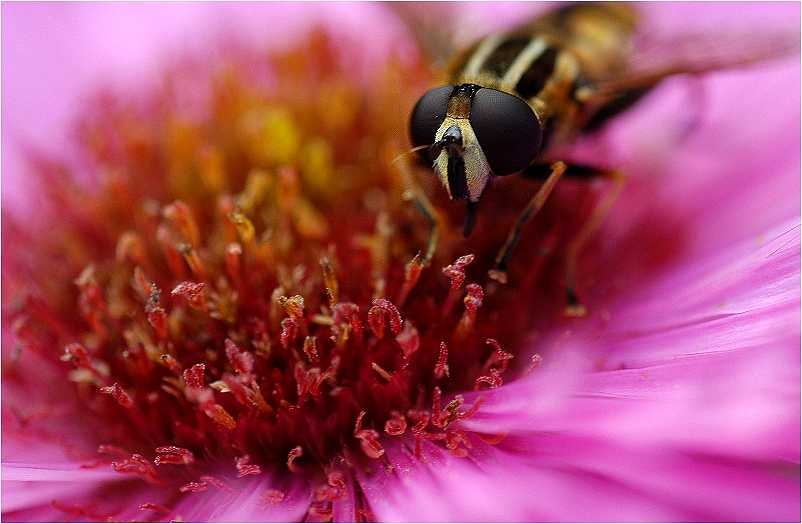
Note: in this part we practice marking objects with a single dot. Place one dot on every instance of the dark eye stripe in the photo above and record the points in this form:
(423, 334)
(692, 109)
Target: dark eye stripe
(537, 74)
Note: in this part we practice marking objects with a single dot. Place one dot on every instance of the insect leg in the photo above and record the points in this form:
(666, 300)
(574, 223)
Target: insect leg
(573, 307)
(499, 271)
(424, 206)
(415, 194)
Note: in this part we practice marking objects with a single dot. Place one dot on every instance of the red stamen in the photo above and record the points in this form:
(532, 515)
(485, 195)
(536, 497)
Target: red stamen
(289, 332)
(310, 350)
(330, 280)
(137, 465)
(222, 417)
(180, 216)
(383, 311)
(412, 272)
(534, 362)
(194, 376)
(193, 292)
(346, 319)
(233, 258)
(292, 456)
(172, 364)
(241, 361)
(194, 487)
(119, 394)
(244, 468)
(441, 368)
(408, 339)
(293, 306)
(396, 425)
(272, 497)
(158, 508)
(173, 455)
(456, 275)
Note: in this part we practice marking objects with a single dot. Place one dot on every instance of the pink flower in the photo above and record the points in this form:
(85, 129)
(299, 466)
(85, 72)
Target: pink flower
(212, 310)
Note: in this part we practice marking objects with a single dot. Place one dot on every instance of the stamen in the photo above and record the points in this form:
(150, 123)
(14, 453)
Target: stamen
(474, 297)
(292, 456)
(381, 371)
(219, 414)
(233, 258)
(254, 350)
(194, 376)
(193, 261)
(310, 350)
(383, 310)
(272, 497)
(289, 332)
(330, 280)
(441, 368)
(119, 394)
(136, 465)
(408, 339)
(171, 363)
(158, 508)
(244, 468)
(412, 272)
(194, 487)
(157, 318)
(244, 226)
(396, 425)
(173, 455)
(293, 306)
(193, 292)
(456, 275)
(180, 217)
(241, 361)
(535, 362)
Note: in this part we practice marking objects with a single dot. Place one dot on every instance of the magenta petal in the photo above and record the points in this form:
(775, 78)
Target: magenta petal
(30, 485)
(501, 486)
(690, 398)
(69, 491)
(263, 499)
(744, 297)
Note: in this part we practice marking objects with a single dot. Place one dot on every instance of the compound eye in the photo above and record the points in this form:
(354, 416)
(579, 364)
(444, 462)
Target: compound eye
(508, 131)
(428, 115)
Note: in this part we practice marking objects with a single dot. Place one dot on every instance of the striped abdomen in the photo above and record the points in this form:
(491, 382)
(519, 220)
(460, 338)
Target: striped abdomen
(548, 60)
(531, 67)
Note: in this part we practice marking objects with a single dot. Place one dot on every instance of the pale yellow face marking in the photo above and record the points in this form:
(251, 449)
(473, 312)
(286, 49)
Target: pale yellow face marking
(477, 170)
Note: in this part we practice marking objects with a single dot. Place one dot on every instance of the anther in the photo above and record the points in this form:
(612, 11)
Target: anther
(292, 456)
(193, 292)
(173, 455)
(119, 394)
(441, 367)
(383, 310)
(244, 468)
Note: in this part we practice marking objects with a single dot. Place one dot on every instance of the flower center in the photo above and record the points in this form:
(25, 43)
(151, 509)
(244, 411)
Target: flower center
(249, 297)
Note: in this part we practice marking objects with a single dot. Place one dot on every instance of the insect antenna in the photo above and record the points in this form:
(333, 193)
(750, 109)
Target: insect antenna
(409, 152)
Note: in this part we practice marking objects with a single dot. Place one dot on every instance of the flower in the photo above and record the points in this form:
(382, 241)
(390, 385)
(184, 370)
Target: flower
(219, 314)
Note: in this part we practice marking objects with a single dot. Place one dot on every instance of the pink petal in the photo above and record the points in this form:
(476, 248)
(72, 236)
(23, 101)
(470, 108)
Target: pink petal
(262, 499)
(688, 396)
(28, 485)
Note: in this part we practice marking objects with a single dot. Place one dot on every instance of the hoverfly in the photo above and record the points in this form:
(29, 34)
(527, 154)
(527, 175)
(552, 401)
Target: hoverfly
(513, 98)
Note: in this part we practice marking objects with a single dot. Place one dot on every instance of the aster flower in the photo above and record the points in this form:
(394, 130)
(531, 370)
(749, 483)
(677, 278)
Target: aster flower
(218, 311)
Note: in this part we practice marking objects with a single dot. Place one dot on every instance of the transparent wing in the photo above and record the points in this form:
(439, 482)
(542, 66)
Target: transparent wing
(430, 24)
(655, 56)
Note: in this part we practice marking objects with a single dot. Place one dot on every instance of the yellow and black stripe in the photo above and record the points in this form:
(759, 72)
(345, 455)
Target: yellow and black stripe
(548, 61)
